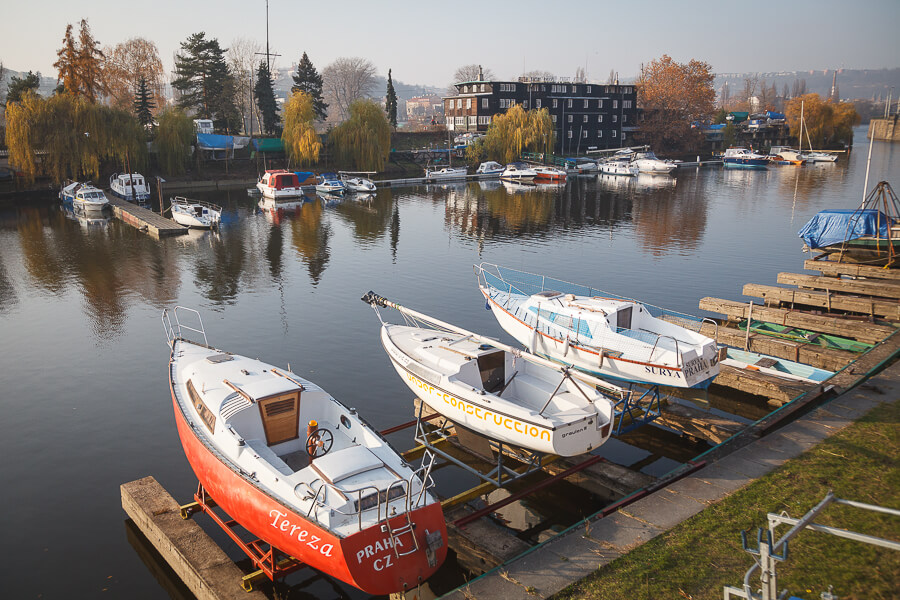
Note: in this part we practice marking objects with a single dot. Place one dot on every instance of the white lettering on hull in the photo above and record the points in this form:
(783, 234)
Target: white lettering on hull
(281, 523)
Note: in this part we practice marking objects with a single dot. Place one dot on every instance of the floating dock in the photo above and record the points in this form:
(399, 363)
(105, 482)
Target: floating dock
(145, 219)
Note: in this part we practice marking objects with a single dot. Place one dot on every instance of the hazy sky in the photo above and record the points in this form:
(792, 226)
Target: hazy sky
(424, 42)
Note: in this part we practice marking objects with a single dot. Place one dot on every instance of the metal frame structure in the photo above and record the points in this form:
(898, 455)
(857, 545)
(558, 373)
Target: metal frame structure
(770, 553)
(269, 560)
(640, 410)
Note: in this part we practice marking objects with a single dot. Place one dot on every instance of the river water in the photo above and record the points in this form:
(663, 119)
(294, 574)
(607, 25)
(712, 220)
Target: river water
(85, 399)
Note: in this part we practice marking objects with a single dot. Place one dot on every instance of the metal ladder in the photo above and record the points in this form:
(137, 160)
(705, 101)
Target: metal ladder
(408, 526)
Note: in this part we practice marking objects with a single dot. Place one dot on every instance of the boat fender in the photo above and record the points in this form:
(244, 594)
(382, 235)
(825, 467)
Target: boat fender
(566, 346)
(534, 338)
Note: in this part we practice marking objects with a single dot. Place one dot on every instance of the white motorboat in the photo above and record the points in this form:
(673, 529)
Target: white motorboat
(518, 171)
(195, 213)
(784, 155)
(586, 166)
(489, 168)
(446, 173)
(619, 165)
(329, 183)
(355, 182)
(298, 469)
(742, 158)
(279, 183)
(817, 157)
(495, 390)
(129, 186)
(648, 162)
(598, 332)
(83, 196)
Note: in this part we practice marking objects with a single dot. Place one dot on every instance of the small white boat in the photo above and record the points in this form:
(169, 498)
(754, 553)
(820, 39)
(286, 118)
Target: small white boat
(648, 162)
(195, 213)
(279, 183)
(777, 367)
(298, 469)
(83, 196)
(489, 168)
(355, 182)
(619, 165)
(495, 390)
(783, 155)
(744, 159)
(518, 171)
(816, 157)
(586, 166)
(544, 174)
(598, 332)
(446, 173)
(129, 186)
(329, 183)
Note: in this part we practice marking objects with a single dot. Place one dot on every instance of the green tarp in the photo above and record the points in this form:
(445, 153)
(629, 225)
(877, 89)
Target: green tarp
(268, 145)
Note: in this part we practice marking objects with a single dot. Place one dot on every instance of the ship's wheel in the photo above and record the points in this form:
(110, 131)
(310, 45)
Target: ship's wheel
(319, 442)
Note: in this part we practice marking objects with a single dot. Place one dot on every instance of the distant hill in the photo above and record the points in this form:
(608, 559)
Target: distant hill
(48, 84)
(868, 84)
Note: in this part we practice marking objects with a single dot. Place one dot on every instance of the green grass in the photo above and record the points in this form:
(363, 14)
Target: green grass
(698, 557)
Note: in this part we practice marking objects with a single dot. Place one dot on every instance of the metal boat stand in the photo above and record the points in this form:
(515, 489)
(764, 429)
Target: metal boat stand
(632, 411)
(500, 475)
(269, 561)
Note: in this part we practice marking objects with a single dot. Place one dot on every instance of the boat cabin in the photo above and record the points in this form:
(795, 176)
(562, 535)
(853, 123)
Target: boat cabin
(278, 179)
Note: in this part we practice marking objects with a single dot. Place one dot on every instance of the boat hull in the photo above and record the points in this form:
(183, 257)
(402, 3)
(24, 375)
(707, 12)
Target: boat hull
(274, 194)
(138, 196)
(746, 163)
(365, 559)
(591, 361)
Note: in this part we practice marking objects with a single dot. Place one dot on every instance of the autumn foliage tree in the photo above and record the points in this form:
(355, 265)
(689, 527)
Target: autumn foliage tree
(126, 64)
(301, 142)
(80, 64)
(519, 130)
(825, 123)
(674, 95)
(364, 140)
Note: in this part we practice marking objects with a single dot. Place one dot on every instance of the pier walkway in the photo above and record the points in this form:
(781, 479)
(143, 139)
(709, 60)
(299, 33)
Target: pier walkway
(145, 219)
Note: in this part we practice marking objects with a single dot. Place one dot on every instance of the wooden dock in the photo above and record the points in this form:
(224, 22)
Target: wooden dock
(144, 219)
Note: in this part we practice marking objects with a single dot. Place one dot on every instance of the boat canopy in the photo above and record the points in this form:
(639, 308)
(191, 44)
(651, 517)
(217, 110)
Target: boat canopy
(830, 227)
(268, 145)
(212, 141)
(306, 177)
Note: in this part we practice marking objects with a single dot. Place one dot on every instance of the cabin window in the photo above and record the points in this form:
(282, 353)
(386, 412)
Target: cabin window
(206, 415)
(491, 366)
(280, 417)
(623, 318)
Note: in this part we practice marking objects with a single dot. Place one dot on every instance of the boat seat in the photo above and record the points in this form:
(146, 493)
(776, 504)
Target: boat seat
(343, 464)
(268, 456)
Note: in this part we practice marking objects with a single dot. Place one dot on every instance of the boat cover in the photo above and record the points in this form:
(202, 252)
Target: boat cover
(306, 177)
(268, 145)
(830, 227)
(775, 115)
(212, 141)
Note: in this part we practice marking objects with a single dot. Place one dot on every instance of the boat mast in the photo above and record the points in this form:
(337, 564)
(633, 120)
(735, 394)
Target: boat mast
(613, 390)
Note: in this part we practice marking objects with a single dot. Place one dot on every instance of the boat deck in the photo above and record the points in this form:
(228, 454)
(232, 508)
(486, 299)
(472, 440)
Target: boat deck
(145, 219)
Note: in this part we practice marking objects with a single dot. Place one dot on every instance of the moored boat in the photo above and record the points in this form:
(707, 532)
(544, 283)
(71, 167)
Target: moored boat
(821, 157)
(330, 183)
(619, 165)
(777, 367)
(742, 158)
(648, 162)
(198, 214)
(446, 173)
(597, 332)
(83, 196)
(489, 168)
(279, 183)
(129, 186)
(495, 390)
(518, 171)
(298, 469)
(782, 155)
(355, 182)
(545, 174)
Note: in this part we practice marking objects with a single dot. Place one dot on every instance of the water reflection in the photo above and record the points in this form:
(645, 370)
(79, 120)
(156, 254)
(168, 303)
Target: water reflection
(368, 216)
(667, 221)
(310, 238)
(8, 296)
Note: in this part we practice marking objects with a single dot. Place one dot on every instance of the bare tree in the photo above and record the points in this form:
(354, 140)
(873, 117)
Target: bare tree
(346, 80)
(537, 74)
(580, 75)
(125, 64)
(612, 77)
(242, 58)
(469, 73)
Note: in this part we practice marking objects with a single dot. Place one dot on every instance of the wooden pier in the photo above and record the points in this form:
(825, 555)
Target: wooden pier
(145, 219)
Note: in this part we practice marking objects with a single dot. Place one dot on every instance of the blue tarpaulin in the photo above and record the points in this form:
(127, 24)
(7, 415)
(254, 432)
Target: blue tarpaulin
(212, 141)
(835, 226)
(774, 115)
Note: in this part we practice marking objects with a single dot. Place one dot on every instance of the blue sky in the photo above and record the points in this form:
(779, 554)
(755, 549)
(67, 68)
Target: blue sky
(425, 42)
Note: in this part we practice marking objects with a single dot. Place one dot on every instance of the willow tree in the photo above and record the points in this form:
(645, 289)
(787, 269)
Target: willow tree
(824, 122)
(173, 140)
(299, 136)
(519, 130)
(77, 136)
(364, 140)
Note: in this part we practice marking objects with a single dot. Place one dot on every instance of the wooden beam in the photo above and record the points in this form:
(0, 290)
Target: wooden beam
(809, 354)
(828, 267)
(778, 391)
(482, 545)
(864, 332)
(881, 289)
(888, 309)
(698, 423)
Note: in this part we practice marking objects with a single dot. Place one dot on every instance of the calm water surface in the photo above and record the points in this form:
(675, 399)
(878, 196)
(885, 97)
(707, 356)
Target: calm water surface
(85, 398)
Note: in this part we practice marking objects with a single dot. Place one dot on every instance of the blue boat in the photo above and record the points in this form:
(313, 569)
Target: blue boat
(778, 367)
(741, 158)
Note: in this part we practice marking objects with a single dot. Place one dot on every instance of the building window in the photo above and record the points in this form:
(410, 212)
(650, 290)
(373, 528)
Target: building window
(600, 103)
(624, 118)
(614, 133)
(599, 133)
(570, 134)
(623, 136)
(537, 103)
(506, 102)
(599, 118)
(585, 103)
(525, 104)
(584, 119)
(460, 120)
(555, 103)
(484, 103)
(482, 87)
(626, 103)
(569, 103)
(507, 87)
(584, 133)
(473, 120)
(484, 120)
(588, 89)
(554, 118)
(615, 118)
(574, 89)
(468, 103)
(570, 118)
(615, 104)
(459, 103)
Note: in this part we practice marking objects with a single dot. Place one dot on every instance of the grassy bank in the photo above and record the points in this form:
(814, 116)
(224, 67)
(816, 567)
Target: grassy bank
(697, 558)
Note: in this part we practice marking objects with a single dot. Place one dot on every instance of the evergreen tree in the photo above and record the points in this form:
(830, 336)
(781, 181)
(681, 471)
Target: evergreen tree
(390, 103)
(143, 103)
(308, 80)
(17, 87)
(204, 82)
(264, 92)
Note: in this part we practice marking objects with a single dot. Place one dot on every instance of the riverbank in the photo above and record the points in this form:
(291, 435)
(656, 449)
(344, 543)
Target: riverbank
(684, 541)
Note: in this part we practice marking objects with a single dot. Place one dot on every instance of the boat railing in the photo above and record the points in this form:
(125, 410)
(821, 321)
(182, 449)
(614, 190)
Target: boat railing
(677, 353)
(176, 330)
(203, 203)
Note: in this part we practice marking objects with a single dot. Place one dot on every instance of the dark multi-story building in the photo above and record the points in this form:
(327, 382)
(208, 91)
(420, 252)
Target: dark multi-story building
(586, 116)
